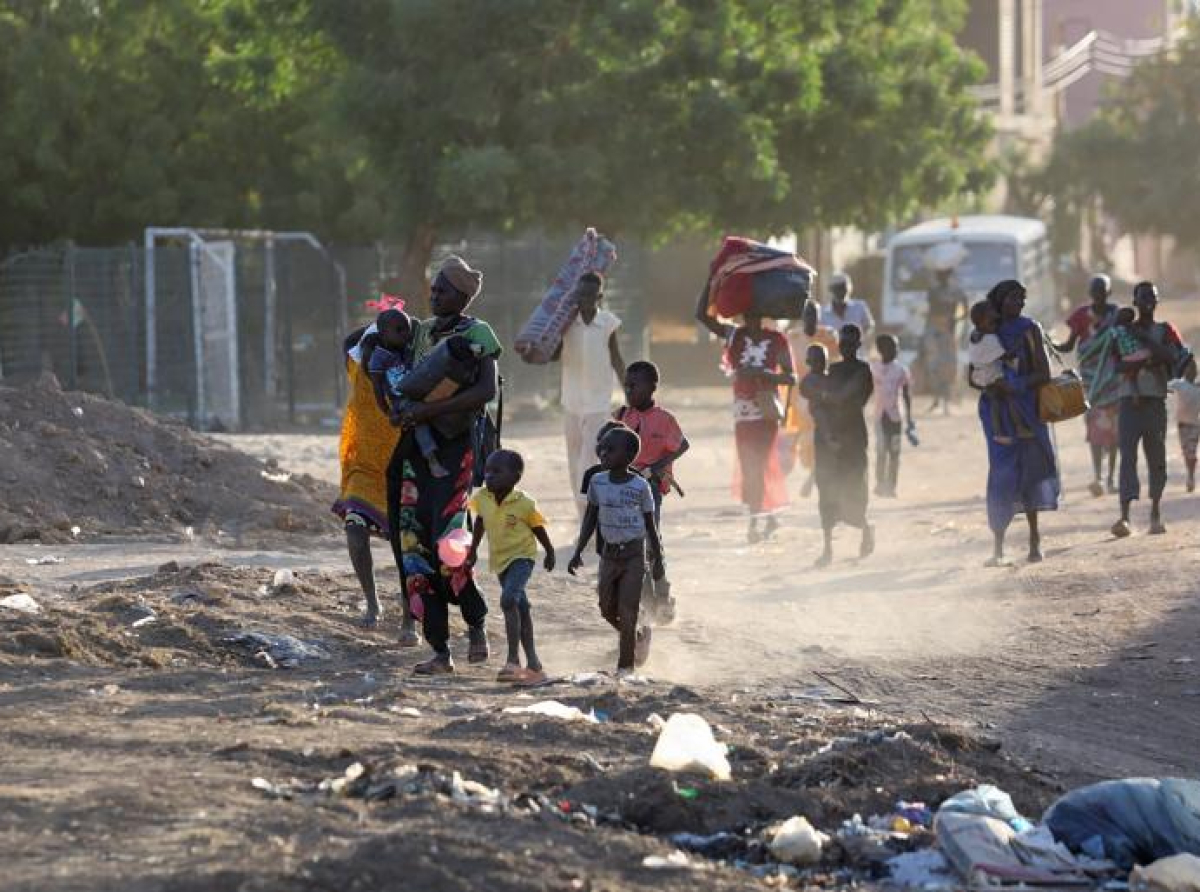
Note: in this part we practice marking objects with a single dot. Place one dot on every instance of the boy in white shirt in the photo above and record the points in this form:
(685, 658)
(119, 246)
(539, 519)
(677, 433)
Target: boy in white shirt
(891, 383)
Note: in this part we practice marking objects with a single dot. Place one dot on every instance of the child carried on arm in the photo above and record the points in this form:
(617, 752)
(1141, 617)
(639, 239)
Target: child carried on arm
(451, 365)
(990, 364)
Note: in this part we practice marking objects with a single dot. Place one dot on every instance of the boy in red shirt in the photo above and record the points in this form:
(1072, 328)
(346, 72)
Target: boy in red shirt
(663, 443)
(662, 439)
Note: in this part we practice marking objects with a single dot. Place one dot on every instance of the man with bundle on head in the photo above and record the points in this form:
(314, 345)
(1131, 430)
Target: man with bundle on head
(590, 358)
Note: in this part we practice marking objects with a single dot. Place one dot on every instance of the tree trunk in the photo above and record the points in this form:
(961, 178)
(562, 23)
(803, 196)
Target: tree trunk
(412, 276)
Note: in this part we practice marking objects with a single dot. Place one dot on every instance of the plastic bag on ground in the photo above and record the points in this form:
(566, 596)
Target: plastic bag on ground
(1179, 873)
(981, 848)
(798, 842)
(686, 743)
(987, 800)
(1134, 821)
(22, 603)
(555, 710)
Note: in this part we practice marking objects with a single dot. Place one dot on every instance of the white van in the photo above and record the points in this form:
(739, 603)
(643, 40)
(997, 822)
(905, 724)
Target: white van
(996, 248)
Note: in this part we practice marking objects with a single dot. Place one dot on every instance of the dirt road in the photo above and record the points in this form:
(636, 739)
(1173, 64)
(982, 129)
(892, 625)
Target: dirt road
(128, 752)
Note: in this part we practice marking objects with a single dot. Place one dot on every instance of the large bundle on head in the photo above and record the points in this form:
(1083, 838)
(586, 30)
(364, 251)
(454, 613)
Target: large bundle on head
(540, 337)
(750, 277)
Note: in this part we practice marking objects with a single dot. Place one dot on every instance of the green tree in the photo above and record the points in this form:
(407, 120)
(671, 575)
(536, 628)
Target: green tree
(650, 118)
(121, 114)
(1141, 154)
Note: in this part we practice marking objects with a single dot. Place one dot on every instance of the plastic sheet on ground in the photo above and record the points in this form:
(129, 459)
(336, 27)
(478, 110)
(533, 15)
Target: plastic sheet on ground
(555, 710)
(1133, 821)
(923, 869)
(283, 651)
(982, 850)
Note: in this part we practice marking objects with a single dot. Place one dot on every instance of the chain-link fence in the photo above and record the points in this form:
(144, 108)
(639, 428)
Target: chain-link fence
(244, 331)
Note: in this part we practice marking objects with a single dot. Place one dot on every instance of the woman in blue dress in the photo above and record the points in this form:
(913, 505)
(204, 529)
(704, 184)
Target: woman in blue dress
(1022, 469)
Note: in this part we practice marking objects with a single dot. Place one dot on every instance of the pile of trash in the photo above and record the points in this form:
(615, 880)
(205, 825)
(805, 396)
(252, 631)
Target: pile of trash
(74, 466)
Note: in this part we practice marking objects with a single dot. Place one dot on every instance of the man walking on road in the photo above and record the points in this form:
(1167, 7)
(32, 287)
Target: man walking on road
(590, 358)
(845, 310)
(1143, 411)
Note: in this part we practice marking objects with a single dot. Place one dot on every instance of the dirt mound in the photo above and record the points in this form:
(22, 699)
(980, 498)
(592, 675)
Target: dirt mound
(73, 465)
(205, 616)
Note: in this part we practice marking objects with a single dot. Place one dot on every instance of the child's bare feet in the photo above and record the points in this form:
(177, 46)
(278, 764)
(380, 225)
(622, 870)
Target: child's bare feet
(371, 616)
(1156, 525)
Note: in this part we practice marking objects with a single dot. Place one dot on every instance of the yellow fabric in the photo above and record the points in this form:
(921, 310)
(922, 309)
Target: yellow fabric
(509, 526)
(799, 423)
(368, 440)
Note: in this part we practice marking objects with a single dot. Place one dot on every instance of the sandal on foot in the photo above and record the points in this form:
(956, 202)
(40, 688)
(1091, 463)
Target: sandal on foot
(531, 678)
(510, 672)
(1096, 488)
(1121, 529)
(436, 665)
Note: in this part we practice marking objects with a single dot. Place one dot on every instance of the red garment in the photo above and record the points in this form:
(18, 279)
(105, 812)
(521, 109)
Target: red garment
(731, 273)
(660, 434)
(764, 350)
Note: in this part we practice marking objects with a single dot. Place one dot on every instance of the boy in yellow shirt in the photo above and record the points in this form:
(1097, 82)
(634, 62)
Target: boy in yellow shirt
(514, 527)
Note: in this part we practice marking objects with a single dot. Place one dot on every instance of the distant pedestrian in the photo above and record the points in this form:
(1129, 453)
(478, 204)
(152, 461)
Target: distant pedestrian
(845, 310)
(591, 365)
(838, 400)
(1090, 326)
(1022, 469)
(1187, 417)
(891, 383)
(1143, 412)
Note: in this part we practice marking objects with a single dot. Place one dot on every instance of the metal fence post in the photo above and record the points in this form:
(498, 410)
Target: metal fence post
(151, 323)
(73, 363)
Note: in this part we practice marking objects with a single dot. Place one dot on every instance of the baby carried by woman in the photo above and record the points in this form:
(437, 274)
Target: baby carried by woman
(451, 365)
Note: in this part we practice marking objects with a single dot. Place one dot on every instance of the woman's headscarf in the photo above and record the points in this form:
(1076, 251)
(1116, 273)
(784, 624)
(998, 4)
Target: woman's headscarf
(458, 273)
(1001, 291)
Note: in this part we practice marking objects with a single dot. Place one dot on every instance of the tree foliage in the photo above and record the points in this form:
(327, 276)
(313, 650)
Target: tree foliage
(1141, 154)
(416, 120)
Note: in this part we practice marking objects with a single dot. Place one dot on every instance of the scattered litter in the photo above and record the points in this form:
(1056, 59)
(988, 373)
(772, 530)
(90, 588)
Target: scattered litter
(42, 561)
(1178, 873)
(340, 786)
(75, 531)
(555, 710)
(655, 721)
(473, 793)
(688, 793)
(283, 651)
(145, 620)
(797, 842)
(281, 477)
(410, 711)
(925, 869)
(77, 411)
(139, 481)
(275, 791)
(686, 743)
(1183, 661)
(22, 603)
(284, 582)
(713, 844)
(677, 860)
(588, 679)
